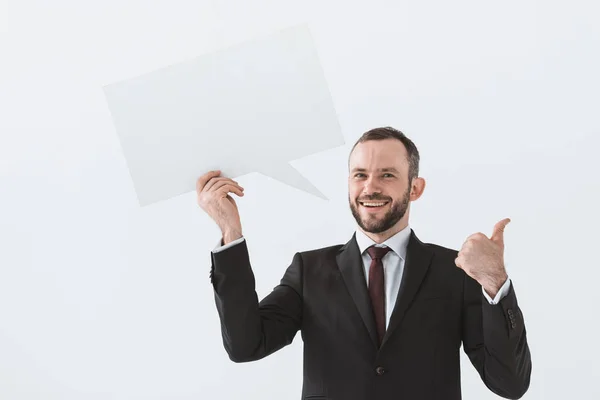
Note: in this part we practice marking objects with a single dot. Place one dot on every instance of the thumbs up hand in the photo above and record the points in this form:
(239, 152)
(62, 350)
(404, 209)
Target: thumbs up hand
(482, 258)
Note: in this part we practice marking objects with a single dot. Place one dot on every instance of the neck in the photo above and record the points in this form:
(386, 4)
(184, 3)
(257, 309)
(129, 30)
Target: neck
(383, 236)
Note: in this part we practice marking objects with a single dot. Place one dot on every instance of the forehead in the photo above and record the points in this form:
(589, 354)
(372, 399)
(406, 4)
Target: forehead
(379, 155)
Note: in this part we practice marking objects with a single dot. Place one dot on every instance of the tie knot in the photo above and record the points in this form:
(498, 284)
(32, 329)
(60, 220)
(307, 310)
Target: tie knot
(377, 252)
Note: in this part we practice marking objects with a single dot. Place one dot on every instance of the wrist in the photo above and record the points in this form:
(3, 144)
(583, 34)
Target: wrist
(231, 235)
(492, 286)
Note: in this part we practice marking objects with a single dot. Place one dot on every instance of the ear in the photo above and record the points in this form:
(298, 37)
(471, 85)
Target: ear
(417, 188)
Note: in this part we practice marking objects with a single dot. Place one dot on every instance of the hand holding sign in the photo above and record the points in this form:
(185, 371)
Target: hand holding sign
(214, 198)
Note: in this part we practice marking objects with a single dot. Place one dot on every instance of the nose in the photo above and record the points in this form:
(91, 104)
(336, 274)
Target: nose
(371, 187)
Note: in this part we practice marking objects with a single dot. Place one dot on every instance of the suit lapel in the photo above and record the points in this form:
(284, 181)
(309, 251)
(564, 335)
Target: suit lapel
(350, 264)
(418, 260)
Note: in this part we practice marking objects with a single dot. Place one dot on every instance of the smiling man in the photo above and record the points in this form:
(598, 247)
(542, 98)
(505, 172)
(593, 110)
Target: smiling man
(384, 315)
(381, 193)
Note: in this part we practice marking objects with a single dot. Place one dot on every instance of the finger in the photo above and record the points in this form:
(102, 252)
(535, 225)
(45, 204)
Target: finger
(220, 182)
(476, 236)
(498, 233)
(217, 182)
(229, 188)
(201, 182)
(224, 186)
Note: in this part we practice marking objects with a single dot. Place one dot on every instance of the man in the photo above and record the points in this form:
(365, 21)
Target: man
(384, 315)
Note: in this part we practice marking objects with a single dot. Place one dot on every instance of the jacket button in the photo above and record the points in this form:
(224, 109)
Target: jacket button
(380, 371)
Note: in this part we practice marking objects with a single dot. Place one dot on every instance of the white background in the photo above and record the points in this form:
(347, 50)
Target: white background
(100, 299)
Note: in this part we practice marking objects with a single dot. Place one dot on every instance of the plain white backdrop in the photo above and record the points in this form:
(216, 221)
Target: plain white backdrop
(101, 299)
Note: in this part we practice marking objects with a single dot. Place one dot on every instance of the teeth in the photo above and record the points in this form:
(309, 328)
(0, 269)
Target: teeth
(373, 204)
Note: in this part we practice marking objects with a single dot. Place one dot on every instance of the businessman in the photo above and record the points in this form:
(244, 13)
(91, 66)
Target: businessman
(384, 315)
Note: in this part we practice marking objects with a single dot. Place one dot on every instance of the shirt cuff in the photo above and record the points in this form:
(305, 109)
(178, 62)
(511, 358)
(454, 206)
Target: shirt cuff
(220, 247)
(500, 295)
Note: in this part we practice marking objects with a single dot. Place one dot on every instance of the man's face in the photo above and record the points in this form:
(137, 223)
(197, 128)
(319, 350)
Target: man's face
(378, 174)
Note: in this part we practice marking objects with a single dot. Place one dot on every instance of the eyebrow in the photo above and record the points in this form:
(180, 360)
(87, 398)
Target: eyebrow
(389, 169)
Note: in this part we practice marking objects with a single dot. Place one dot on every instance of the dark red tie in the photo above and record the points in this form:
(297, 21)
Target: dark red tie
(377, 288)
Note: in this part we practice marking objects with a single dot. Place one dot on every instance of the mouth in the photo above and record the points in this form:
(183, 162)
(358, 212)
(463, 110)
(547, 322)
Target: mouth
(373, 205)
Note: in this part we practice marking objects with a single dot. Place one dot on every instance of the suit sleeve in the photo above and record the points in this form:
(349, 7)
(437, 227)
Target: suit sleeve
(220, 246)
(495, 340)
(253, 330)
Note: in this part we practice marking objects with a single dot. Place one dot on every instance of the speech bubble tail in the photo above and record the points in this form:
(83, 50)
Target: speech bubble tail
(287, 174)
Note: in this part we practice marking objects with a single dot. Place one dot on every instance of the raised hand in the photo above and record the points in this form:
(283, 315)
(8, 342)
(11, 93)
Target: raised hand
(482, 258)
(213, 197)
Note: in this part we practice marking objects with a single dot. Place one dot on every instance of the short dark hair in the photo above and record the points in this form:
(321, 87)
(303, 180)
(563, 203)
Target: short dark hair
(388, 132)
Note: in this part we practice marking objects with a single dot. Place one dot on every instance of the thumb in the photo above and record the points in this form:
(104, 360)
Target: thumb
(498, 233)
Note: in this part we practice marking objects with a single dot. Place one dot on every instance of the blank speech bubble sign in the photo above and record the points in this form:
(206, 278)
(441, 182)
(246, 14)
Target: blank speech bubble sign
(252, 107)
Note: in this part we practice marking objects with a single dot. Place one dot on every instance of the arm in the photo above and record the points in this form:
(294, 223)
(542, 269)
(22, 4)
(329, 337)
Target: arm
(253, 330)
(495, 340)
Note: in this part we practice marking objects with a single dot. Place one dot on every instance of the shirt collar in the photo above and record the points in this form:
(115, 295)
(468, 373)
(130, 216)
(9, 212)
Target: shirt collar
(397, 243)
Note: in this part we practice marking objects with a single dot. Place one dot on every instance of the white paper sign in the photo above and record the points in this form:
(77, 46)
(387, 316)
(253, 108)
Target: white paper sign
(248, 108)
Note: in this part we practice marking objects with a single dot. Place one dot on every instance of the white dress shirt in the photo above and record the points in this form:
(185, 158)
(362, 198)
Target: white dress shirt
(393, 265)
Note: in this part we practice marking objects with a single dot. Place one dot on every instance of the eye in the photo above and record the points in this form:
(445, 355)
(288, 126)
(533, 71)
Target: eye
(385, 175)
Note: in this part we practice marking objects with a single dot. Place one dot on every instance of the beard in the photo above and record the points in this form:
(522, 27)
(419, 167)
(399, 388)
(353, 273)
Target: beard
(375, 224)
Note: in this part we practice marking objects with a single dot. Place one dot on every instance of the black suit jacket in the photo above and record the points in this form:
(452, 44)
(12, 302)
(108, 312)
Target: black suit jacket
(323, 294)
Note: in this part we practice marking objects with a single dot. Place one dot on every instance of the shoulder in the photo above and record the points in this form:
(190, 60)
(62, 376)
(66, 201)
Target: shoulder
(443, 267)
(322, 252)
(438, 250)
(441, 251)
